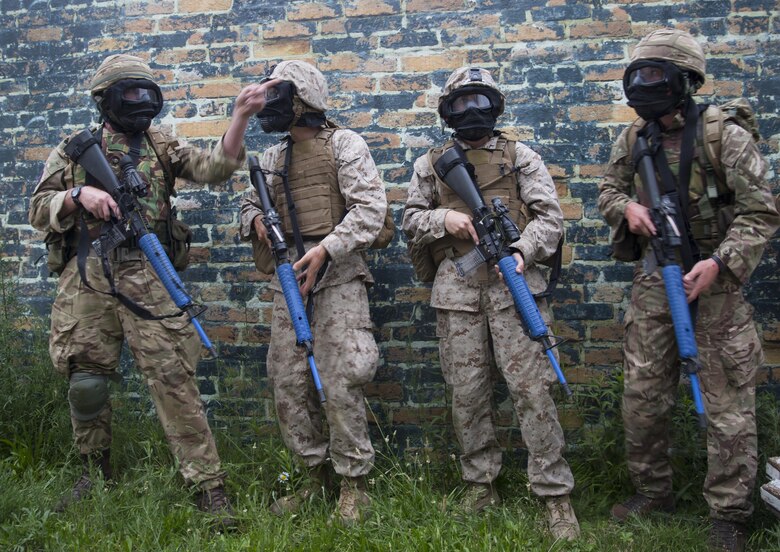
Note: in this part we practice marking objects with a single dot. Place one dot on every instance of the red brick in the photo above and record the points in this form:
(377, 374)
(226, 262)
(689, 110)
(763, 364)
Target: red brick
(364, 8)
(308, 11)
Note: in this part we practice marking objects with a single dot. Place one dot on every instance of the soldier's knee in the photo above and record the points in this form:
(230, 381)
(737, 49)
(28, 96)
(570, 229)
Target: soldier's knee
(88, 395)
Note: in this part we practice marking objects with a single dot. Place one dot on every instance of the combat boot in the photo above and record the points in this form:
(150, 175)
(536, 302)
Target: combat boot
(561, 518)
(726, 536)
(641, 505)
(99, 462)
(353, 500)
(215, 503)
(319, 481)
(479, 497)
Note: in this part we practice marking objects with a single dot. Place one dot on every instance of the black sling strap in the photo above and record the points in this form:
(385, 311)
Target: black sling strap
(296, 229)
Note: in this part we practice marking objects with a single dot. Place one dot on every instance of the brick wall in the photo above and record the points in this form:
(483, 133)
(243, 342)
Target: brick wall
(559, 63)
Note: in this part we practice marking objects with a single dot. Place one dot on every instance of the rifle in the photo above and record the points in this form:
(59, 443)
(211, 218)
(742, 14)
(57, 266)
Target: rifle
(85, 150)
(284, 270)
(496, 230)
(665, 244)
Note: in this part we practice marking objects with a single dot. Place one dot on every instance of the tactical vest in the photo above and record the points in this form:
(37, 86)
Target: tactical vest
(493, 170)
(174, 235)
(710, 202)
(314, 185)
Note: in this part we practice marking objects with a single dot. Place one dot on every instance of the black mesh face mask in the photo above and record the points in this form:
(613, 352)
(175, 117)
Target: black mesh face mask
(654, 88)
(130, 105)
(278, 114)
(472, 111)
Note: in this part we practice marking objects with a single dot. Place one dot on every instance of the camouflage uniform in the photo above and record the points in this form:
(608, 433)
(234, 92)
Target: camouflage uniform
(729, 346)
(476, 315)
(344, 345)
(88, 328)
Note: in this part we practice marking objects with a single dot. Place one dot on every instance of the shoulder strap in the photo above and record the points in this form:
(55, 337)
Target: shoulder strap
(161, 151)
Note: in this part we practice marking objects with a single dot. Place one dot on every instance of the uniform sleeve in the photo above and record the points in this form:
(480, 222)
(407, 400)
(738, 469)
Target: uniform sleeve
(364, 196)
(616, 186)
(423, 220)
(49, 195)
(755, 215)
(211, 167)
(540, 238)
(250, 201)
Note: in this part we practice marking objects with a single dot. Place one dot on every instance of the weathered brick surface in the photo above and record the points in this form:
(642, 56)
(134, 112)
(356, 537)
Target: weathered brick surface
(559, 63)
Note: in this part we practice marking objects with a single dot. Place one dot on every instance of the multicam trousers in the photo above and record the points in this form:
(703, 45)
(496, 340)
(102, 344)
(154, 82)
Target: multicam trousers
(87, 331)
(730, 352)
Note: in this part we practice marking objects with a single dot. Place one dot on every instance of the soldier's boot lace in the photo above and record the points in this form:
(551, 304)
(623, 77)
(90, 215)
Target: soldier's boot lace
(726, 536)
(641, 505)
(478, 497)
(561, 518)
(353, 500)
(319, 482)
(215, 503)
(96, 463)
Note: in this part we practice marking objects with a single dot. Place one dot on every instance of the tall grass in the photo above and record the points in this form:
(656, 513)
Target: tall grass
(415, 495)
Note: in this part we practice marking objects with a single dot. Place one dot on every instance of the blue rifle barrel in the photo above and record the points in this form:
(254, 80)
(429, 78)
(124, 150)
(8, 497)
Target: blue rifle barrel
(684, 332)
(529, 312)
(300, 322)
(152, 248)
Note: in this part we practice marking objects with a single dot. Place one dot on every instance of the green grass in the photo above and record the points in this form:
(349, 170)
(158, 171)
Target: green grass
(415, 497)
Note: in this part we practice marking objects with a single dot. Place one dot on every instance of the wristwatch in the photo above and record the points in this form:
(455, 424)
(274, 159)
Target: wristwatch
(74, 195)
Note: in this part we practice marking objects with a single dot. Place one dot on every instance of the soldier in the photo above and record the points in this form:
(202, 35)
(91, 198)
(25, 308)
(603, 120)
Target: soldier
(339, 204)
(729, 214)
(88, 322)
(477, 312)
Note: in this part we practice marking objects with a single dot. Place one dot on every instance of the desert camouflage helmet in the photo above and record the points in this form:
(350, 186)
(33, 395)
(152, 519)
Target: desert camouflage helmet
(673, 45)
(470, 76)
(119, 67)
(310, 83)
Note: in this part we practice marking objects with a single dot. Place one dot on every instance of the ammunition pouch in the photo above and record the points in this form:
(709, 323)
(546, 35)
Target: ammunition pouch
(60, 250)
(626, 246)
(422, 261)
(176, 239)
(263, 256)
(386, 233)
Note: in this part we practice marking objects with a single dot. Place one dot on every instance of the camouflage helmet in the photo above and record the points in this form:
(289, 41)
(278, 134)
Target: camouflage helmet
(119, 67)
(471, 77)
(675, 46)
(310, 83)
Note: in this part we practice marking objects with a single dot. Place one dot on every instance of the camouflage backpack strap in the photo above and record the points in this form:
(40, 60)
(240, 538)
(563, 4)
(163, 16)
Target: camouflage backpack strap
(636, 126)
(162, 149)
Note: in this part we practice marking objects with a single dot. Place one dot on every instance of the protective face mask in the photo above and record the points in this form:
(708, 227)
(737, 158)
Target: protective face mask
(278, 114)
(130, 105)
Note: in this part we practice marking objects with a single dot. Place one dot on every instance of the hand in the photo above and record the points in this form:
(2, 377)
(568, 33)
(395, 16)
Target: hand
(251, 99)
(459, 225)
(99, 203)
(700, 278)
(520, 265)
(261, 231)
(639, 221)
(312, 261)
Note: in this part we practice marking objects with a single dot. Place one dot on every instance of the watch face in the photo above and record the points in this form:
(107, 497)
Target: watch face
(74, 194)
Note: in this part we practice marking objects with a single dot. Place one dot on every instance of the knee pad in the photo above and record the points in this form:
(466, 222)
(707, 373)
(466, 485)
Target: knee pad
(88, 394)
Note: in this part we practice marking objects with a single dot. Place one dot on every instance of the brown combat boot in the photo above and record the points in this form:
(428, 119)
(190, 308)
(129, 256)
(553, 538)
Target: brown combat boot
(99, 462)
(319, 482)
(561, 518)
(641, 505)
(215, 503)
(478, 497)
(353, 500)
(726, 536)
